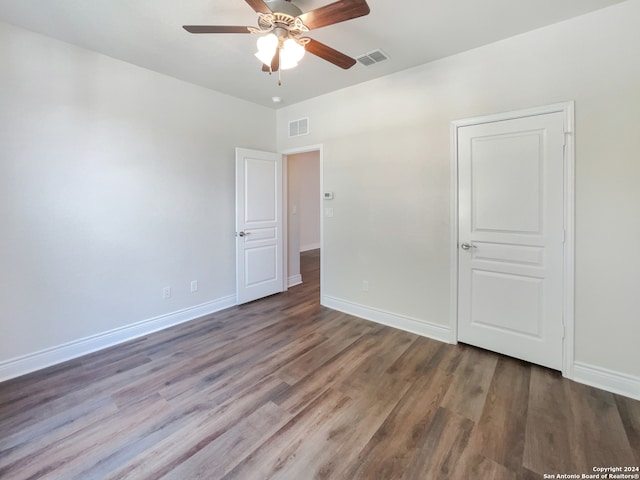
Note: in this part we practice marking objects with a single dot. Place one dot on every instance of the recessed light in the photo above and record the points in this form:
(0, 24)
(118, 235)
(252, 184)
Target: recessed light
(276, 99)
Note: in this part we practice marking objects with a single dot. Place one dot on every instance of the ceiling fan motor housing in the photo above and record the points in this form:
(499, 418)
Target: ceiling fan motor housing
(284, 6)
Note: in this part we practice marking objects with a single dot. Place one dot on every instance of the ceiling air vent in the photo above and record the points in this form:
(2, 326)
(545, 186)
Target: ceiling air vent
(299, 127)
(373, 57)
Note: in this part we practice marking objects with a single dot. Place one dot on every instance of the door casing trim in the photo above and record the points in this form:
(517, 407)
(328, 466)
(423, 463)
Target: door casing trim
(568, 281)
(292, 151)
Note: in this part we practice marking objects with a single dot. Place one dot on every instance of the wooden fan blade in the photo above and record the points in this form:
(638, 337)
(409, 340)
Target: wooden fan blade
(259, 6)
(215, 29)
(329, 54)
(335, 13)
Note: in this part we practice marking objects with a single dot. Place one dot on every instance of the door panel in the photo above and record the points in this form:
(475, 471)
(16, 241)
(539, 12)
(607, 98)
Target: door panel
(506, 184)
(518, 312)
(511, 204)
(259, 225)
(259, 265)
(261, 202)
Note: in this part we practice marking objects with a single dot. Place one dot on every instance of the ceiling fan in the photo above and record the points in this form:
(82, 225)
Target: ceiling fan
(281, 25)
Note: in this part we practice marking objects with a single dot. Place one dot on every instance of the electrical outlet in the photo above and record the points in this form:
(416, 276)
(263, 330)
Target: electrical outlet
(365, 285)
(166, 292)
(194, 286)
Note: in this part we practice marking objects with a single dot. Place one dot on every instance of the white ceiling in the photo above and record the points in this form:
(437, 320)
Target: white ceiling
(412, 32)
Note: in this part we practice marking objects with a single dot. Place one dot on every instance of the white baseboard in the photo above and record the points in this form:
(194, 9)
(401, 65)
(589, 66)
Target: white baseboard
(18, 366)
(413, 325)
(306, 248)
(294, 280)
(605, 379)
(612, 381)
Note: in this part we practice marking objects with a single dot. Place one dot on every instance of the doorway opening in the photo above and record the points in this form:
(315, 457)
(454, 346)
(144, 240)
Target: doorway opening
(304, 213)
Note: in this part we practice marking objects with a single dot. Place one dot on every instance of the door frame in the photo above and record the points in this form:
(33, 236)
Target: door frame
(285, 185)
(567, 109)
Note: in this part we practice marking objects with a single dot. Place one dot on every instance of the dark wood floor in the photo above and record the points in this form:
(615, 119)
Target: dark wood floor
(284, 388)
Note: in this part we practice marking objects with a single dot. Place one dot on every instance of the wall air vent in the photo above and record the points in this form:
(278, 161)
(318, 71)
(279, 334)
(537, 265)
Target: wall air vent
(299, 127)
(376, 56)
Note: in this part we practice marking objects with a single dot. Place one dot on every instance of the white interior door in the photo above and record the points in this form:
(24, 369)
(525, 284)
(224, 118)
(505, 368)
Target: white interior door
(259, 225)
(511, 234)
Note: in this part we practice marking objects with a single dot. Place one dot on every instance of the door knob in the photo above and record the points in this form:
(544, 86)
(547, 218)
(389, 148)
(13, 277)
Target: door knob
(466, 246)
(242, 234)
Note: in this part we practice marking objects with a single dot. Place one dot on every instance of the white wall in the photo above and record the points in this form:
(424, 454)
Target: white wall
(115, 182)
(387, 157)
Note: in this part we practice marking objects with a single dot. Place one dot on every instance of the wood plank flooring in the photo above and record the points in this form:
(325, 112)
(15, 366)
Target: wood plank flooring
(283, 388)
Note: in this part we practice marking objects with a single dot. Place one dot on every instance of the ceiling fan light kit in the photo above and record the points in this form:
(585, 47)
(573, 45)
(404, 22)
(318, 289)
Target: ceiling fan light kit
(289, 49)
(267, 47)
(291, 53)
(281, 25)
